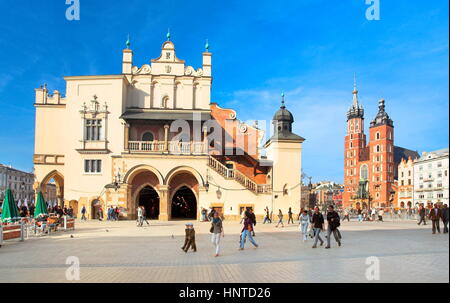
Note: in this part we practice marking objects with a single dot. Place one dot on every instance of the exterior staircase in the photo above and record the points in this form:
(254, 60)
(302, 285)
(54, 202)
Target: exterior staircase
(239, 177)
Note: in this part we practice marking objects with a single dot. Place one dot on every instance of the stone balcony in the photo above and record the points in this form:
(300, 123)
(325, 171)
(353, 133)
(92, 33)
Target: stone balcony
(172, 147)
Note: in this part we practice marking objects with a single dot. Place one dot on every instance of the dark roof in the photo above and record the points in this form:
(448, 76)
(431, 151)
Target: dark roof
(165, 115)
(382, 117)
(283, 115)
(285, 135)
(400, 152)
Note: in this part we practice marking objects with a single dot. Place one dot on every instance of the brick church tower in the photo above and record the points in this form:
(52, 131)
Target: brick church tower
(369, 168)
(355, 145)
(381, 148)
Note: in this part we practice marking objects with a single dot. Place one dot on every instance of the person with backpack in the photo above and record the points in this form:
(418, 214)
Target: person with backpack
(333, 224)
(247, 232)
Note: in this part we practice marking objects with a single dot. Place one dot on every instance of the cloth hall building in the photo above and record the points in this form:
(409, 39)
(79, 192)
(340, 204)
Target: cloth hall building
(150, 136)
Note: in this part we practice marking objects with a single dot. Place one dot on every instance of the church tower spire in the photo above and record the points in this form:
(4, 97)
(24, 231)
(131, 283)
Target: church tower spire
(356, 110)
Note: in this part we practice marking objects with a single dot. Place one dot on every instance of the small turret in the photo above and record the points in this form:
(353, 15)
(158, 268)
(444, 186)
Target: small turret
(127, 59)
(207, 61)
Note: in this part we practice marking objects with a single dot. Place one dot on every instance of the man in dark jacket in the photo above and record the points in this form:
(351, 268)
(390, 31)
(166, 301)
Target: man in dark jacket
(435, 216)
(333, 224)
(444, 217)
(422, 215)
(317, 222)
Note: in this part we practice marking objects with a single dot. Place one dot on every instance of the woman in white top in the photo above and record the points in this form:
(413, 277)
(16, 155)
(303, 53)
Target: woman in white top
(304, 223)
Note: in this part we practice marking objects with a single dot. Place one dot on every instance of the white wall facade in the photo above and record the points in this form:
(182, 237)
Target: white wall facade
(431, 178)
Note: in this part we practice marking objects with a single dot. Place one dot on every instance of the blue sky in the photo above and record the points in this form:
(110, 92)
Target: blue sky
(309, 49)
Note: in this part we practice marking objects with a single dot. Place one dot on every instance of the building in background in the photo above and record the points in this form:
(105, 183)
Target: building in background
(50, 193)
(370, 168)
(20, 183)
(405, 195)
(431, 178)
(328, 193)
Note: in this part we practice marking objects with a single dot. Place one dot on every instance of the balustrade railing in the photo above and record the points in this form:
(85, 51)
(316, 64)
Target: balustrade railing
(242, 179)
(183, 148)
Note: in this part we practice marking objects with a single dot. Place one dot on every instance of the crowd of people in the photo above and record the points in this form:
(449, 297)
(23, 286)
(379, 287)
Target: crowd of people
(312, 224)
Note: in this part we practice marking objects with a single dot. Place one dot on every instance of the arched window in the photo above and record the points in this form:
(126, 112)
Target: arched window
(147, 136)
(377, 135)
(378, 148)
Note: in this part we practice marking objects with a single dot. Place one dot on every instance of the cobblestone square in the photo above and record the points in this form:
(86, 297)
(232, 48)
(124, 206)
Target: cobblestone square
(122, 252)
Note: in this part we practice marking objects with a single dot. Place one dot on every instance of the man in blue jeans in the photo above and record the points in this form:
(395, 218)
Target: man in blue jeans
(317, 222)
(247, 231)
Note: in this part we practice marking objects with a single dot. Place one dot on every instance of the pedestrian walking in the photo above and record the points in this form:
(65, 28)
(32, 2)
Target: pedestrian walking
(304, 223)
(144, 216)
(83, 213)
(280, 218)
(139, 217)
(444, 217)
(247, 232)
(290, 219)
(346, 215)
(333, 224)
(435, 216)
(317, 222)
(267, 216)
(360, 215)
(422, 215)
(189, 240)
(100, 213)
(217, 231)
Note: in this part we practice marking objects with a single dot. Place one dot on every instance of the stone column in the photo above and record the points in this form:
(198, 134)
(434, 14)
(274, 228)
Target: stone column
(164, 204)
(166, 137)
(126, 136)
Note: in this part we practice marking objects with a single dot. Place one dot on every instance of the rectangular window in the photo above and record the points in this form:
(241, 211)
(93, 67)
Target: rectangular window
(92, 166)
(93, 130)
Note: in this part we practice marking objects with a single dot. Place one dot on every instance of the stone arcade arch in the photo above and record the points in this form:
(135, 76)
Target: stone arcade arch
(145, 184)
(59, 182)
(183, 185)
(147, 196)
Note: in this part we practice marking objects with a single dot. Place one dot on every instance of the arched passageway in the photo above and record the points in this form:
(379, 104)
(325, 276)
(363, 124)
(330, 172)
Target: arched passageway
(149, 199)
(184, 204)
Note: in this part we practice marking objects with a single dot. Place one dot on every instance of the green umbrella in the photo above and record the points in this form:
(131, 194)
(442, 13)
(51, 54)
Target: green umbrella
(10, 211)
(41, 207)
